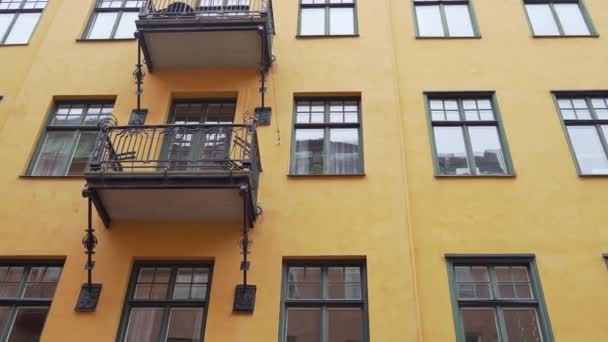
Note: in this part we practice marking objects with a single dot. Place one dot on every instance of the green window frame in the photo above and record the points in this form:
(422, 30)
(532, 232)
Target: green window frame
(161, 290)
(113, 19)
(18, 20)
(466, 130)
(320, 18)
(69, 138)
(584, 118)
(551, 18)
(27, 289)
(327, 139)
(503, 291)
(316, 293)
(445, 19)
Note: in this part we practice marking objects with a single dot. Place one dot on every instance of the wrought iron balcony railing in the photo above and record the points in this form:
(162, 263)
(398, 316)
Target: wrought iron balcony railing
(207, 9)
(178, 149)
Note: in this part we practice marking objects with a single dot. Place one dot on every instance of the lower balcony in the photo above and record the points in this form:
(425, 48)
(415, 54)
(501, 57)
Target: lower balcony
(175, 173)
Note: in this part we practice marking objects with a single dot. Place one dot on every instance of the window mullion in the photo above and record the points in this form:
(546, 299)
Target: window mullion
(444, 20)
(116, 23)
(23, 281)
(9, 323)
(327, 20)
(502, 327)
(556, 18)
(467, 138)
(164, 329)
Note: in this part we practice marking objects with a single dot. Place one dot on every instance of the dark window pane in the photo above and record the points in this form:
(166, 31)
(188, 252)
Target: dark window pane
(345, 152)
(304, 325)
(345, 325)
(5, 313)
(304, 283)
(185, 325)
(54, 154)
(479, 324)
(84, 150)
(309, 151)
(522, 325)
(487, 151)
(344, 283)
(451, 151)
(28, 324)
(144, 325)
(473, 282)
(10, 281)
(39, 290)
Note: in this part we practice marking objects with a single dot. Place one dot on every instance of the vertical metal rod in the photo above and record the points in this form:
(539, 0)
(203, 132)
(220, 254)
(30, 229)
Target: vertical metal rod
(139, 75)
(245, 237)
(263, 89)
(90, 251)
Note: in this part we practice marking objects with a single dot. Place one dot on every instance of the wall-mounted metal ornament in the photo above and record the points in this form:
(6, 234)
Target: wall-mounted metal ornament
(89, 292)
(263, 115)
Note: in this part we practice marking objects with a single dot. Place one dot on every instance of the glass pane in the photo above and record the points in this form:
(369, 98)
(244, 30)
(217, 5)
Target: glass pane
(5, 21)
(342, 21)
(522, 325)
(28, 324)
(312, 21)
(588, 149)
(185, 325)
(309, 151)
(126, 27)
(459, 21)
(40, 290)
(451, 151)
(23, 28)
(479, 325)
(345, 325)
(542, 20)
(473, 282)
(304, 325)
(54, 154)
(429, 21)
(304, 283)
(344, 283)
(345, 152)
(102, 25)
(144, 325)
(572, 20)
(487, 151)
(5, 313)
(84, 150)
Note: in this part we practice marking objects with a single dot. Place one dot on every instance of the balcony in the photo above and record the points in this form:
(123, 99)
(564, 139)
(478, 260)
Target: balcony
(206, 33)
(175, 173)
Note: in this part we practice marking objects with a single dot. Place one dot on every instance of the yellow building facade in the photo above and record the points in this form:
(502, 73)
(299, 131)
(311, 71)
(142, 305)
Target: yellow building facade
(426, 232)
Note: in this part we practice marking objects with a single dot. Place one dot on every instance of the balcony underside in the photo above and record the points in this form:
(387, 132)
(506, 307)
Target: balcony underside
(161, 197)
(197, 43)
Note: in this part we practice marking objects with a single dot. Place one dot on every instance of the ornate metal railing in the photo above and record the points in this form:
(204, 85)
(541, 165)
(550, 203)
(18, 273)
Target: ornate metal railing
(177, 149)
(224, 9)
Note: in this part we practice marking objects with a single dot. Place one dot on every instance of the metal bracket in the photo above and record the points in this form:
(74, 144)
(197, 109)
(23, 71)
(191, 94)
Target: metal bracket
(88, 298)
(244, 298)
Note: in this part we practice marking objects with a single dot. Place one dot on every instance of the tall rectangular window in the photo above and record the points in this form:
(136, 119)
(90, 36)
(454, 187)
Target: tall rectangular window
(328, 18)
(498, 299)
(18, 19)
(327, 137)
(69, 138)
(558, 18)
(585, 117)
(468, 138)
(26, 293)
(167, 302)
(114, 19)
(324, 302)
(444, 18)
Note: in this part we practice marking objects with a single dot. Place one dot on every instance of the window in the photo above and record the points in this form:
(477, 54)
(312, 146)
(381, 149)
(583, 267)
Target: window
(69, 138)
(328, 18)
(468, 138)
(585, 117)
(325, 302)
(498, 299)
(167, 302)
(327, 137)
(26, 293)
(444, 18)
(558, 18)
(114, 19)
(18, 19)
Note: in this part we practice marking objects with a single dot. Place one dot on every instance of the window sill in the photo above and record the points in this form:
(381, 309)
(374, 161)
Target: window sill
(567, 36)
(50, 177)
(447, 38)
(590, 175)
(509, 176)
(327, 36)
(21, 44)
(353, 175)
(82, 40)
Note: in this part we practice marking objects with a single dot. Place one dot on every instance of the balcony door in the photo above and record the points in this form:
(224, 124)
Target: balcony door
(190, 146)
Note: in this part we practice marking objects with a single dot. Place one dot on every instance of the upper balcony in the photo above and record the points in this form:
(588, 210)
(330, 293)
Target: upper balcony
(206, 33)
(175, 173)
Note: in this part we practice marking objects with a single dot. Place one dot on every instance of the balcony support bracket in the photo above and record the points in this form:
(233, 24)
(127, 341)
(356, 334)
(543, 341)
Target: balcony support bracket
(244, 295)
(89, 292)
